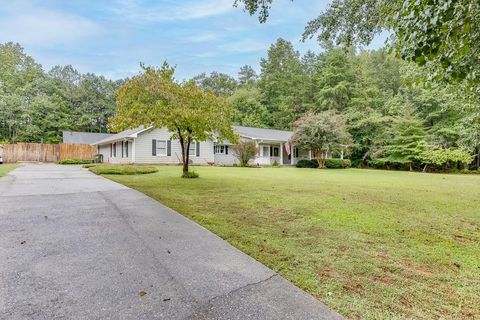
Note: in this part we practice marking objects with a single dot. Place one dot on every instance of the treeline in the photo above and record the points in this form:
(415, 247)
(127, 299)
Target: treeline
(36, 106)
(394, 114)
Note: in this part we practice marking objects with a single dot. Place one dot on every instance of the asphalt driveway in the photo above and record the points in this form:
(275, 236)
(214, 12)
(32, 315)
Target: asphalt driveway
(74, 245)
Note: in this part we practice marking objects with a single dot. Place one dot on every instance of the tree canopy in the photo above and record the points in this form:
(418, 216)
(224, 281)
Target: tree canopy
(443, 35)
(324, 133)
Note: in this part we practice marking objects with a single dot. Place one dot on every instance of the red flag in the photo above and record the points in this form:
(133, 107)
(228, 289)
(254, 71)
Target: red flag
(287, 148)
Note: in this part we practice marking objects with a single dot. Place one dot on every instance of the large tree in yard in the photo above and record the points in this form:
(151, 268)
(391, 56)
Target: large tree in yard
(154, 98)
(323, 133)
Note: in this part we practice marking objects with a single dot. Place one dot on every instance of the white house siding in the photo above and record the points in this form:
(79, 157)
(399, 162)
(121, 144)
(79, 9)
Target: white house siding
(143, 149)
(118, 159)
(105, 151)
(226, 159)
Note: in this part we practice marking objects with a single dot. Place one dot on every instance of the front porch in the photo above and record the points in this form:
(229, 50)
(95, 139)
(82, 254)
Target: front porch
(272, 153)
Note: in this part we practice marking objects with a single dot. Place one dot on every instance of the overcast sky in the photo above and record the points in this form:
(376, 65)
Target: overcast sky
(113, 37)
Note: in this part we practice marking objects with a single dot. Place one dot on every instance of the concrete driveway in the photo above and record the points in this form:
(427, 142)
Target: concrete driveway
(77, 246)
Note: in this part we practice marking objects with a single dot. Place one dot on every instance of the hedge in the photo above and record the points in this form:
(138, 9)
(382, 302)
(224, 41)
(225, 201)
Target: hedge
(122, 169)
(75, 161)
(329, 163)
(337, 163)
(307, 164)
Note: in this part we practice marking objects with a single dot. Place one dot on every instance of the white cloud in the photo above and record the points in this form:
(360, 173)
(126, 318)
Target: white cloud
(178, 10)
(29, 25)
(204, 37)
(244, 46)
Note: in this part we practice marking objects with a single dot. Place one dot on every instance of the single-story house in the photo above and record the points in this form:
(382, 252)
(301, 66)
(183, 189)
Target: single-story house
(154, 145)
(77, 137)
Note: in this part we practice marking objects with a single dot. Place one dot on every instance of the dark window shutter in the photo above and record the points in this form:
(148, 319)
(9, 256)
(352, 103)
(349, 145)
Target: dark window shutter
(111, 150)
(126, 149)
(154, 147)
(198, 149)
(115, 149)
(271, 151)
(169, 148)
(226, 149)
(123, 142)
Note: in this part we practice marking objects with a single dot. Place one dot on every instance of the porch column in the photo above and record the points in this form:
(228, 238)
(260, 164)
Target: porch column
(133, 150)
(291, 154)
(281, 153)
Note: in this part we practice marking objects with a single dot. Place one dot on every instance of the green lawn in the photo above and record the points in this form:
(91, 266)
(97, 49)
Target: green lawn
(370, 244)
(6, 168)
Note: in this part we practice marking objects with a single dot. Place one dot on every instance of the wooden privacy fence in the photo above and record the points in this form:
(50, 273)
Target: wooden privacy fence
(39, 152)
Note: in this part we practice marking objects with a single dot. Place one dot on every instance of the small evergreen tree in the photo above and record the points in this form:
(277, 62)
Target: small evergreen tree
(407, 140)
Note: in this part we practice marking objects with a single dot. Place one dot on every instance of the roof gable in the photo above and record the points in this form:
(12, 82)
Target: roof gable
(129, 133)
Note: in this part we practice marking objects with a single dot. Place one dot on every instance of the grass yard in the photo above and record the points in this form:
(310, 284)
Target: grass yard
(6, 168)
(370, 244)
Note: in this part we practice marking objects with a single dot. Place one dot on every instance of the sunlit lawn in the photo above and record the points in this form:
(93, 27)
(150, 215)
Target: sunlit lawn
(6, 168)
(369, 244)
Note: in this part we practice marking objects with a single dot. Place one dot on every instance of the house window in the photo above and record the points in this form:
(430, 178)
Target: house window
(266, 151)
(192, 149)
(275, 151)
(113, 150)
(124, 149)
(219, 149)
(161, 147)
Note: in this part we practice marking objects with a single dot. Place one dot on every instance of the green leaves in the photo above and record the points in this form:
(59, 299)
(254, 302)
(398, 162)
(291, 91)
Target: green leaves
(443, 35)
(440, 157)
(322, 133)
(154, 98)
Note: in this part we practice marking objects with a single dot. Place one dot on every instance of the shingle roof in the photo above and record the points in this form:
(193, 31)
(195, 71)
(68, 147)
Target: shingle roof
(83, 137)
(247, 132)
(263, 134)
(119, 136)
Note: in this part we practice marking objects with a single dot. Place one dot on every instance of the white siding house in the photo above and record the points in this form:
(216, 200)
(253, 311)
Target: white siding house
(155, 146)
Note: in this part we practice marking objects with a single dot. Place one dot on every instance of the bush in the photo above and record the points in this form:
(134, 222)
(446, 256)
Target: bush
(388, 164)
(123, 170)
(244, 152)
(337, 163)
(307, 163)
(190, 175)
(75, 161)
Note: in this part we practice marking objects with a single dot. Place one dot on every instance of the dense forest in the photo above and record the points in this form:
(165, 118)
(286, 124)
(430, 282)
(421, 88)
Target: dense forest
(389, 105)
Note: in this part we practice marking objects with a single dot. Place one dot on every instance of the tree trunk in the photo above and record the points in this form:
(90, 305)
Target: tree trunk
(184, 153)
(187, 156)
(411, 168)
(425, 168)
(321, 161)
(478, 158)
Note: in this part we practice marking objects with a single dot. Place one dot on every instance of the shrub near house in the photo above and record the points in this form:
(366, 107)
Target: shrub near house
(329, 163)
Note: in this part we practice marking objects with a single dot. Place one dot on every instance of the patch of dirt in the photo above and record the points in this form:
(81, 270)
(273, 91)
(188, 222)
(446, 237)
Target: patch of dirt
(384, 279)
(327, 272)
(409, 266)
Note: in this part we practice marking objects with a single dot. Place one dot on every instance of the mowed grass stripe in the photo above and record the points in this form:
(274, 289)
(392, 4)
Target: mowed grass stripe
(370, 244)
